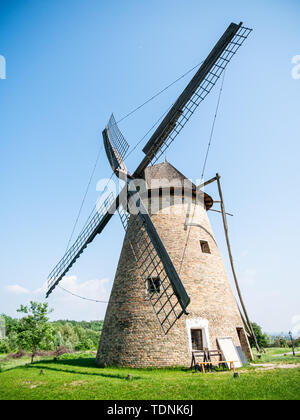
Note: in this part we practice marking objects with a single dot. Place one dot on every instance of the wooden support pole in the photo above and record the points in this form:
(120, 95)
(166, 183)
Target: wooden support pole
(248, 332)
(231, 262)
(204, 184)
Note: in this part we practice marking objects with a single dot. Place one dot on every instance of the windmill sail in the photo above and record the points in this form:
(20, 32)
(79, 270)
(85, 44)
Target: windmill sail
(95, 225)
(166, 292)
(195, 92)
(115, 145)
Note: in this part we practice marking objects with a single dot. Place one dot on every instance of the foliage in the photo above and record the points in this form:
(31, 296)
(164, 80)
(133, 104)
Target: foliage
(280, 342)
(70, 335)
(11, 338)
(4, 346)
(10, 323)
(78, 335)
(263, 339)
(34, 331)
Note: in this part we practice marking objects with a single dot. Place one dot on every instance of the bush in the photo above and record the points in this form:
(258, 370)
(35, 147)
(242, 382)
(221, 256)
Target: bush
(4, 346)
(61, 351)
(85, 345)
(280, 342)
(18, 355)
(297, 342)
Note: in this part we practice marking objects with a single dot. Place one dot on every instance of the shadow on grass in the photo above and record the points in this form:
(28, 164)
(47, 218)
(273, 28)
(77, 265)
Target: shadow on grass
(86, 363)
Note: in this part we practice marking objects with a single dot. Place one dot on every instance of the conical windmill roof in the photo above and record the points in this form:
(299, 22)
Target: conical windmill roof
(164, 175)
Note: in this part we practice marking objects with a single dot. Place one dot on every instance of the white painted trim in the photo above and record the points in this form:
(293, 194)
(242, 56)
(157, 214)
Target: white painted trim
(198, 324)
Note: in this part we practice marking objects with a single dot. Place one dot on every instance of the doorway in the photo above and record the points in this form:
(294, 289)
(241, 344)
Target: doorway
(244, 343)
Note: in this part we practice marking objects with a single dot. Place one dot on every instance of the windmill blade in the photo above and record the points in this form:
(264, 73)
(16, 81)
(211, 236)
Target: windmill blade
(118, 140)
(166, 292)
(94, 226)
(115, 145)
(195, 92)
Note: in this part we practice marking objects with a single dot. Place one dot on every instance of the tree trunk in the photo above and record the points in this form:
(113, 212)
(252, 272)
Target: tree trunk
(33, 354)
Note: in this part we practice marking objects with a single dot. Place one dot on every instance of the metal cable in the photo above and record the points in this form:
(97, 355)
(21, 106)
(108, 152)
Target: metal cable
(159, 93)
(154, 125)
(213, 126)
(204, 166)
(84, 197)
(81, 297)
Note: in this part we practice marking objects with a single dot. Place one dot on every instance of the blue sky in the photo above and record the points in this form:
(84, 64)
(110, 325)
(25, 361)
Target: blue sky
(71, 63)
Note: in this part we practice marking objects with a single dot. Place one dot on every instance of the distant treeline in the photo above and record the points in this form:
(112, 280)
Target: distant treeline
(68, 335)
(265, 340)
(73, 335)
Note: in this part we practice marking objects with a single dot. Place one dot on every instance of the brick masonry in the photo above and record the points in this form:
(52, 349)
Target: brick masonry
(131, 334)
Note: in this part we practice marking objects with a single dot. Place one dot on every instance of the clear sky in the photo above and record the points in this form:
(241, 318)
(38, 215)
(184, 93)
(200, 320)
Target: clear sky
(70, 63)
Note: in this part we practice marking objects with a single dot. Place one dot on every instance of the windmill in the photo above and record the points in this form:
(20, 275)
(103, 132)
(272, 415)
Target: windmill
(148, 279)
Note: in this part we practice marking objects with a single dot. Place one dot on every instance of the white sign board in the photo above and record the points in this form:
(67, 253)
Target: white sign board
(229, 350)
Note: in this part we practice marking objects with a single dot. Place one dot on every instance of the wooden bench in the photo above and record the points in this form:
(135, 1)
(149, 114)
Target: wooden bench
(202, 365)
(205, 357)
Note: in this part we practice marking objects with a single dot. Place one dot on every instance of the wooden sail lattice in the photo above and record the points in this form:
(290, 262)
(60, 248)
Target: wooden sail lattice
(95, 224)
(186, 109)
(168, 301)
(116, 146)
(116, 137)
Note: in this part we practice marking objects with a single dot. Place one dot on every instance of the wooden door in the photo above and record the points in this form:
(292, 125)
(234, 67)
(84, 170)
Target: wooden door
(197, 339)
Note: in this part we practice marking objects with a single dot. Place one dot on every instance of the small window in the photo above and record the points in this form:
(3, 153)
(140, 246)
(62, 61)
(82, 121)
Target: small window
(154, 285)
(205, 247)
(197, 339)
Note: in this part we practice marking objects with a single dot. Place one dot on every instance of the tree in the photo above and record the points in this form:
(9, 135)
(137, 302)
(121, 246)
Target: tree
(262, 338)
(280, 341)
(70, 338)
(34, 330)
(59, 339)
(83, 345)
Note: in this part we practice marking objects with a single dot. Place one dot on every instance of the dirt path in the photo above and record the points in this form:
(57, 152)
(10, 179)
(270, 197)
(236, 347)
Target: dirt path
(272, 366)
(288, 354)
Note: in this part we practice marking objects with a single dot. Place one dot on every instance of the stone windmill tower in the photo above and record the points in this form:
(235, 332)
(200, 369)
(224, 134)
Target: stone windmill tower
(131, 335)
(170, 263)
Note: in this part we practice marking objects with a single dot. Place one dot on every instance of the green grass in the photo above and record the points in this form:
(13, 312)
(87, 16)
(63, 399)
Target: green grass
(277, 355)
(78, 378)
(276, 350)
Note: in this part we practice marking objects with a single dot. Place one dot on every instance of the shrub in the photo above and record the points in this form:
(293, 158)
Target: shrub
(62, 350)
(18, 355)
(4, 346)
(85, 345)
(297, 342)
